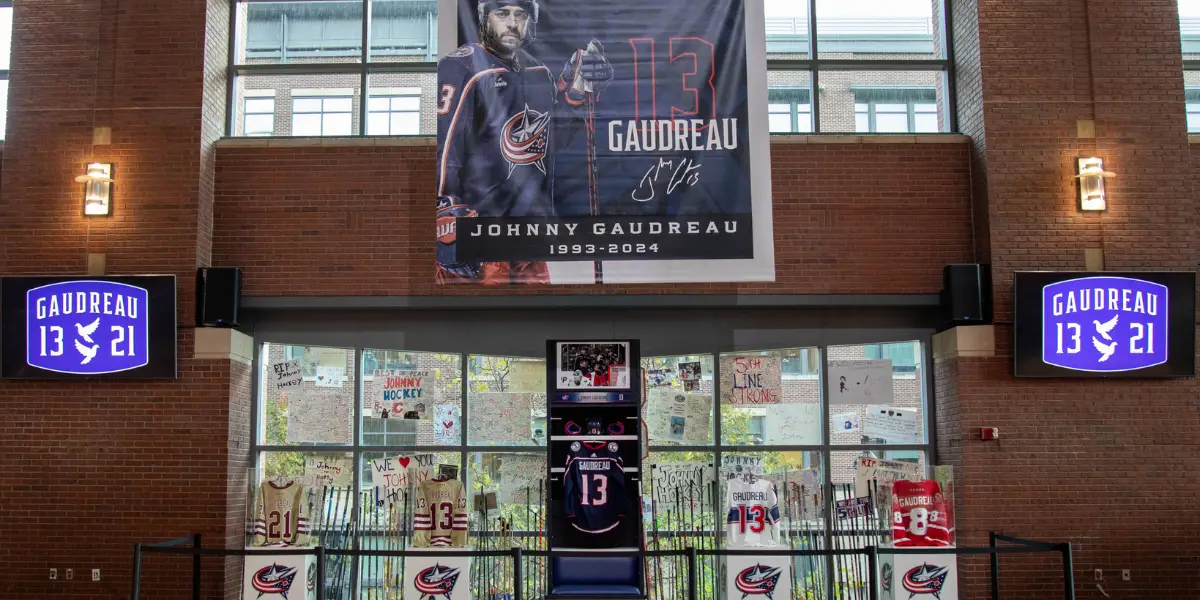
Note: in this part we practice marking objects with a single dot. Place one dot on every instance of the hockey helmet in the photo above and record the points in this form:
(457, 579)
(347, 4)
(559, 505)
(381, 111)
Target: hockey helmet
(487, 6)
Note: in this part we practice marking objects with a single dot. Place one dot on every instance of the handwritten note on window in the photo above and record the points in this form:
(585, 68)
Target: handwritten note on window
(750, 379)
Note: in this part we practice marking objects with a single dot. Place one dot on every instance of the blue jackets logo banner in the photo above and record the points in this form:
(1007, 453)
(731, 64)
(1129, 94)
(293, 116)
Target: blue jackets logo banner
(603, 142)
(89, 327)
(1106, 324)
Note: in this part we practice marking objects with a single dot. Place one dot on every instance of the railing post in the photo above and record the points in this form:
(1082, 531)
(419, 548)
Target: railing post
(320, 572)
(691, 572)
(196, 568)
(995, 561)
(136, 580)
(518, 578)
(1068, 573)
(873, 567)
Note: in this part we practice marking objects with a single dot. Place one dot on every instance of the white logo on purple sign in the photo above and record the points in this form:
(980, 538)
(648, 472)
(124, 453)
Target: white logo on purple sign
(1104, 324)
(87, 327)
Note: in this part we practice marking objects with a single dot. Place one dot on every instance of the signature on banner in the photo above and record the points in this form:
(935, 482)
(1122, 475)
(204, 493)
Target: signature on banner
(687, 171)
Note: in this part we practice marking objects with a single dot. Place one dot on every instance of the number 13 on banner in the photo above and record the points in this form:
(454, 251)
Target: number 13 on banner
(692, 68)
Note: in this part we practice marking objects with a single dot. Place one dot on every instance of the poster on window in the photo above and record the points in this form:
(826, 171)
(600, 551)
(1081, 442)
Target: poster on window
(319, 416)
(860, 382)
(751, 379)
(503, 417)
(397, 394)
(522, 478)
(589, 142)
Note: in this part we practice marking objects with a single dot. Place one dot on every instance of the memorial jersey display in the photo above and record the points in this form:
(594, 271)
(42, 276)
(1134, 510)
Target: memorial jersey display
(281, 515)
(753, 518)
(440, 518)
(594, 487)
(919, 516)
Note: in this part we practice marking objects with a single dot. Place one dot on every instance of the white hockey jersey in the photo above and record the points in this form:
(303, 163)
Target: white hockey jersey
(281, 515)
(753, 519)
(440, 518)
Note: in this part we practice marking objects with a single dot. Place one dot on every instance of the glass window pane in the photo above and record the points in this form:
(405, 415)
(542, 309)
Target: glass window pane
(406, 123)
(309, 31)
(339, 104)
(260, 105)
(403, 31)
(1193, 121)
(427, 104)
(877, 401)
(679, 399)
(306, 105)
(891, 123)
(377, 123)
(410, 103)
(3, 107)
(316, 405)
(870, 29)
(760, 405)
(260, 124)
(306, 125)
(844, 94)
(1189, 28)
(336, 124)
(926, 123)
(779, 108)
(411, 398)
(798, 479)
(862, 123)
(787, 29)
(804, 122)
(6, 15)
(780, 123)
(506, 401)
(376, 103)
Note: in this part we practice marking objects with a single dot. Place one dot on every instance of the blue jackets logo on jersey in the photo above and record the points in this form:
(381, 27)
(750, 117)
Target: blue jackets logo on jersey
(525, 139)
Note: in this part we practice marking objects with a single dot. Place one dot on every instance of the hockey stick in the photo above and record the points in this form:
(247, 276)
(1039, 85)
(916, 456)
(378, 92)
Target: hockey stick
(654, 527)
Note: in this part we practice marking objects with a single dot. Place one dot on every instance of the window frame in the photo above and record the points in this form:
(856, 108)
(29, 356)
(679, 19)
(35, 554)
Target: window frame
(909, 98)
(814, 65)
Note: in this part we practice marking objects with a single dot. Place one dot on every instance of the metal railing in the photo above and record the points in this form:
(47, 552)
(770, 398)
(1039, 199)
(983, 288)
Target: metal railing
(190, 545)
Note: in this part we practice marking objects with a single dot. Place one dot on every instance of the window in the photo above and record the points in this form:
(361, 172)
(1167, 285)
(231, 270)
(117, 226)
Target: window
(320, 116)
(789, 110)
(903, 355)
(321, 43)
(6, 15)
(1193, 108)
(260, 115)
(394, 112)
(895, 110)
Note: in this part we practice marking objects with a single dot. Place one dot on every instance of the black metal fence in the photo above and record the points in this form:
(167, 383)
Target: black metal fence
(191, 545)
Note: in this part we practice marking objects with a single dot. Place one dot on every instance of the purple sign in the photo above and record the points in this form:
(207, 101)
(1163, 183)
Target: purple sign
(1104, 324)
(87, 327)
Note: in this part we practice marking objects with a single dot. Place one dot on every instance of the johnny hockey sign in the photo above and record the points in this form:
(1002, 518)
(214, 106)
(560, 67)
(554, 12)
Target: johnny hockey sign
(602, 142)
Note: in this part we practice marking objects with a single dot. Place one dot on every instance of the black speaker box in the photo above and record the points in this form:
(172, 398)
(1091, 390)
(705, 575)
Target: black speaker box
(967, 294)
(218, 296)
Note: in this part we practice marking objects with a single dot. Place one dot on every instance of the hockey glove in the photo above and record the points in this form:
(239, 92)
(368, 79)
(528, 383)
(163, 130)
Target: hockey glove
(586, 72)
(447, 234)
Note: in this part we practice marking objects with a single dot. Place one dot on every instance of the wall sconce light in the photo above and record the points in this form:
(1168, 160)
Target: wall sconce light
(97, 190)
(1091, 174)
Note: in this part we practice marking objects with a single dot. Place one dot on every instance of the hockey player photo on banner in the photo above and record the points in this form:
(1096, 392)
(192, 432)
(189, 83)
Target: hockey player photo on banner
(602, 142)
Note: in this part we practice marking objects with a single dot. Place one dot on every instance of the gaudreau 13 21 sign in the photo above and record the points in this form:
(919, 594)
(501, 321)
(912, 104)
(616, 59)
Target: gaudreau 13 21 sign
(76, 327)
(1104, 324)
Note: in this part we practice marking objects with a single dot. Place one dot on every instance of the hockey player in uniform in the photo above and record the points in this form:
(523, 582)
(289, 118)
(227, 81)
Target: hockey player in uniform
(496, 135)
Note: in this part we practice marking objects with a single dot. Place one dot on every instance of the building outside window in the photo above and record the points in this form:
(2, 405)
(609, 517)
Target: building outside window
(895, 110)
(394, 112)
(260, 115)
(322, 44)
(789, 110)
(322, 115)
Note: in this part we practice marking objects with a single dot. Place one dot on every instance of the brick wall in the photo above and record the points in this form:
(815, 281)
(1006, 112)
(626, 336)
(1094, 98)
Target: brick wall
(356, 220)
(1090, 462)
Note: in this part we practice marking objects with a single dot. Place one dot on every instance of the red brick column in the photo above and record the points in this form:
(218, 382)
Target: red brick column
(1096, 463)
(89, 468)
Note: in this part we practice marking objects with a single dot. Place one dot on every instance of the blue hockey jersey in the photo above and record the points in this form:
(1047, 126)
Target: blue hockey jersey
(594, 487)
(494, 133)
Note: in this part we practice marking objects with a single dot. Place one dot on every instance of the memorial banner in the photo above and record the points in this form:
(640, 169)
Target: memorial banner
(603, 142)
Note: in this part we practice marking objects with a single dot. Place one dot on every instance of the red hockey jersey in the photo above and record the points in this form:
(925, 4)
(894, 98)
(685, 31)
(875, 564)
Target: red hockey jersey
(919, 517)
